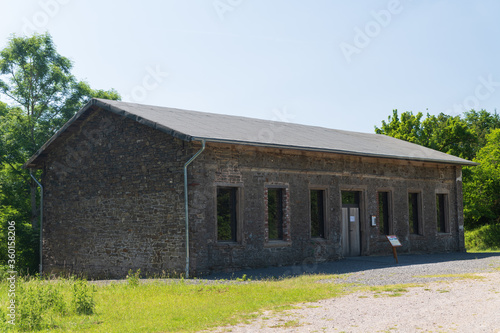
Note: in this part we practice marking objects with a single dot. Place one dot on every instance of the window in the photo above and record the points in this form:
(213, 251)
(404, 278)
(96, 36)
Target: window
(350, 198)
(318, 213)
(441, 211)
(414, 212)
(227, 206)
(275, 213)
(383, 212)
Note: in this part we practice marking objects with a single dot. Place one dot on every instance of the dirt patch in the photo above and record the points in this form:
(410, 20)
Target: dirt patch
(467, 305)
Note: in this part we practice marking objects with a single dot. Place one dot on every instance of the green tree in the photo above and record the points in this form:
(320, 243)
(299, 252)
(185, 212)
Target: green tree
(449, 135)
(408, 127)
(445, 133)
(465, 137)
(39, 81)
(39, 95)
(481, 123)
(482, 190)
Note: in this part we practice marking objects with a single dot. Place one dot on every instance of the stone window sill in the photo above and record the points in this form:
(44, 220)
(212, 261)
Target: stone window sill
(229, 244)
(277, 243)
(319, 239)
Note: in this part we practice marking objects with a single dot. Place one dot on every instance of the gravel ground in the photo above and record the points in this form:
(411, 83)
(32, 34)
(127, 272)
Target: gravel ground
(381, 270)
(442, 305)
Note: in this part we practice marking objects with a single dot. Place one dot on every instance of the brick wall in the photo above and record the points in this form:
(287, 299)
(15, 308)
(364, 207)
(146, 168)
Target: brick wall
(114, 200)
(298, 172)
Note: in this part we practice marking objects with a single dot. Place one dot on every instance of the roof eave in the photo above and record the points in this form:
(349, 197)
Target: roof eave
(336, 151)
(141, 120)
(33, 161)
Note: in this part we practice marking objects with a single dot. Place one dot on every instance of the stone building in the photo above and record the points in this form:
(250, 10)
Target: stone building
(260, 193)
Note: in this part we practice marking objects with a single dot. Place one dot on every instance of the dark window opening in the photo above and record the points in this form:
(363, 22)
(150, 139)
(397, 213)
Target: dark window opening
(317, 213)
(275, 213)
(383, 212)
(226, 213)
(441, 212)
(413, 212)
(350, 198)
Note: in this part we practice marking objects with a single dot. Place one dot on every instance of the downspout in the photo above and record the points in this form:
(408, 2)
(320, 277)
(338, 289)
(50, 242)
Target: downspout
(459, 208)
(186, 204)
(41, 218)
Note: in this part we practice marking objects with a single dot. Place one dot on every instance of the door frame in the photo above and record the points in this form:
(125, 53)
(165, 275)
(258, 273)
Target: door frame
(364, 241)
(351, 238)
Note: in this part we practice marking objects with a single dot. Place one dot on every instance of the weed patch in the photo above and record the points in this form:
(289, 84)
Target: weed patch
(83, 297)
(48, 305)
(133, 278)
(390, 290)
(483, 239)
(453, 276)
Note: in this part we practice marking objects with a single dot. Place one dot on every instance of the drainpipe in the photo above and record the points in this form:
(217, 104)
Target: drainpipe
(41, 218)
(186, 204)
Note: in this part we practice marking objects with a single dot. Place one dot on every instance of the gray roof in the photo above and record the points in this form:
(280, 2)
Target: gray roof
(196, 126)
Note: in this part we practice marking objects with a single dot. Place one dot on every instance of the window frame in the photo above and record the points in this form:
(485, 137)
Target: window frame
(279, 216)
(237, 214)
(285, 210)
(418, 209)
(324, 191)
(390, 226)
(445, 228)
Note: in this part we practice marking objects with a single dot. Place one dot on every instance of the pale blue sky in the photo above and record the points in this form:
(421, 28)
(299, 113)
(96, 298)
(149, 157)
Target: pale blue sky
(338, 64)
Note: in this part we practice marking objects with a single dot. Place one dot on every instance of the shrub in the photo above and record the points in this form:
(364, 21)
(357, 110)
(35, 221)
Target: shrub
(29, 307)
(133, 278)
(4, 272)
(51, 298)
(483, 238)
(83, 297)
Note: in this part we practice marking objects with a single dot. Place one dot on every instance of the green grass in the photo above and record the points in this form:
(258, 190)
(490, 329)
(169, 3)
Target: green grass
(176, 306)
(483, 239)
(454, 276)
(390, 290)
(69, 305)
(42, 304)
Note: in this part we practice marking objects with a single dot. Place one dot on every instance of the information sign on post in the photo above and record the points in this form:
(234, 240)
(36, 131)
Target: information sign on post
(393, 239)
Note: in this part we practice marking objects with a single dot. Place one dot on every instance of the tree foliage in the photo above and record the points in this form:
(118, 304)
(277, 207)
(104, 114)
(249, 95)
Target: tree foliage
(39, 82)
(473, 136)
(38, 94)
(482, 190)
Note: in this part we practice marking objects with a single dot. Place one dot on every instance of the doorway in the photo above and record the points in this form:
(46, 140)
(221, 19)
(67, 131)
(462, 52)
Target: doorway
(351, 235)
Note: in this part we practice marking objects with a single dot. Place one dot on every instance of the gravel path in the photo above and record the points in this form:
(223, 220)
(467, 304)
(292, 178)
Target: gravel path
(442, 305)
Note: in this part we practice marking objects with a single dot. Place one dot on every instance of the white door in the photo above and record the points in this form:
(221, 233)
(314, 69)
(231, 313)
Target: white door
(351, 243)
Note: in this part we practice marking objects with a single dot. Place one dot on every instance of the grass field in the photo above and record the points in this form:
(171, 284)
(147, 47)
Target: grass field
(72, 305)
(69, 305)
(157, 306)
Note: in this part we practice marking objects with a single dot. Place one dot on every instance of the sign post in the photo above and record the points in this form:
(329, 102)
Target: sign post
(393, 239)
